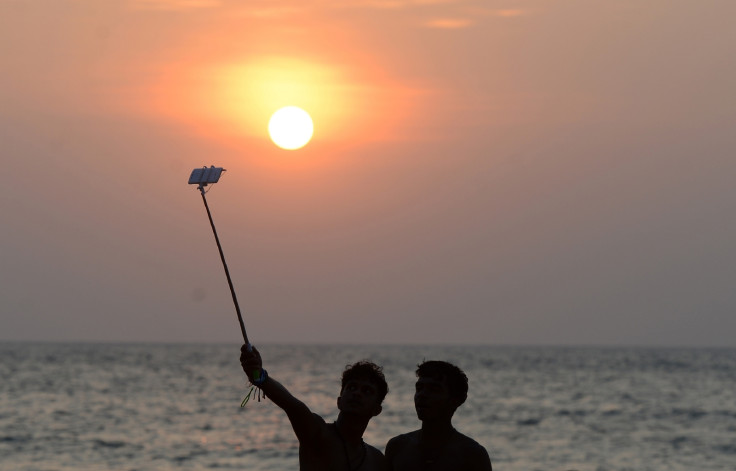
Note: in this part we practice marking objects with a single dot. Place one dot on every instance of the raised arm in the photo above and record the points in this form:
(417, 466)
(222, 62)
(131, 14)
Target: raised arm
(307, 426)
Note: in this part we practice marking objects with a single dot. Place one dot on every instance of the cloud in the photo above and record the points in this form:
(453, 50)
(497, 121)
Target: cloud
(174, 5)
(432, 2)
(449, 23)
(375, 4)
(274, 12)
(391, 4)
(510, 13)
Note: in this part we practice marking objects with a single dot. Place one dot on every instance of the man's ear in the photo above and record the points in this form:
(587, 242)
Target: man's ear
(456, 403)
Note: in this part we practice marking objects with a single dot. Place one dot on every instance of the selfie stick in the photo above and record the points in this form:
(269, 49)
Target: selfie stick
(202, 177)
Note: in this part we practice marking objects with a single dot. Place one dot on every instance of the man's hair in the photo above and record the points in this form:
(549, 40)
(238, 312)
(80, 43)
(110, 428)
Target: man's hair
(369, 371)
(453, 377)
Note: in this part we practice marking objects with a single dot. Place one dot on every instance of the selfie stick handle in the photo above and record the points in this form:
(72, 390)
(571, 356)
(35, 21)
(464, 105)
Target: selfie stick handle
(227, 272)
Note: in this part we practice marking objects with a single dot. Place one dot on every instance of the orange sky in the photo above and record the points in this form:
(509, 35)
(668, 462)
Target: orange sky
(525, 171)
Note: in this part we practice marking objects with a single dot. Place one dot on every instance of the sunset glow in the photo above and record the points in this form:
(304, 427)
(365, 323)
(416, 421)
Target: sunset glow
(234, 101)
(477, 172)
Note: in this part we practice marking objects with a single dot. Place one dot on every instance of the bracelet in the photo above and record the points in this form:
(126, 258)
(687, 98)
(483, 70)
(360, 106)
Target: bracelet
(262, 377)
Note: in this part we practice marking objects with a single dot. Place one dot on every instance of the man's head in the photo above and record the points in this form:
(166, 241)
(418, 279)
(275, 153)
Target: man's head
(440, 389)
(363, 386)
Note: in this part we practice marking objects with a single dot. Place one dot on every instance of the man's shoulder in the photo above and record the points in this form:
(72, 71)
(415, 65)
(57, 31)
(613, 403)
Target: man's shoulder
(470, 444)
(475, 455)
(400, 442)
(317, 430)
(405, 437)
(318, 418)
(375, 454)
(372, 448)
(468, 441)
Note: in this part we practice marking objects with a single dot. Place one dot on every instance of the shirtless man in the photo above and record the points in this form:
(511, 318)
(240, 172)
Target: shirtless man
(337, 446)
(440, 389)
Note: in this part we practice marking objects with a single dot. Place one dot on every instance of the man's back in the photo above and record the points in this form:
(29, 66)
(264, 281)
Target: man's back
(327, 450)
(407, 452)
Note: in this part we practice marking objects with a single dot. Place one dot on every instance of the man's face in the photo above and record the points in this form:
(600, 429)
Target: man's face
(359, 396)
(432, 399)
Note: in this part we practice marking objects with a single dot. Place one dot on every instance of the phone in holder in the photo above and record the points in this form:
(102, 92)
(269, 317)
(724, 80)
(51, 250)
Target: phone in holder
(205, 175)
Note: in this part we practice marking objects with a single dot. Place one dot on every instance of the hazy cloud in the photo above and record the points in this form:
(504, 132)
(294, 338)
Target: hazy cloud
(174, 5)
(273, 12)
(394, 4)
(449, 23)
(510, 13)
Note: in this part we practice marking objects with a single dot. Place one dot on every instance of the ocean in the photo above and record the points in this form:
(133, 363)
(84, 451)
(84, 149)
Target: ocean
(129, 407)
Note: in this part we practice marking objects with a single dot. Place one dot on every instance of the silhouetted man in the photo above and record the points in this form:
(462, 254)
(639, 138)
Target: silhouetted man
(337, 446)
(440, 389)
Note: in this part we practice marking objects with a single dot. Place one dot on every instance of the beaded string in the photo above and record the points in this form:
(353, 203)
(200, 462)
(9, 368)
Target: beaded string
(345, 449)
(259, 377)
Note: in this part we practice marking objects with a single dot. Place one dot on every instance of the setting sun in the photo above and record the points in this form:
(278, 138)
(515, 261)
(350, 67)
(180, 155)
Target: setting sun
(290, 128)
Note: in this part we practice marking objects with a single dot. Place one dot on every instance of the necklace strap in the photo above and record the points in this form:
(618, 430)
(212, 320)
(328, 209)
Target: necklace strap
(345, 450)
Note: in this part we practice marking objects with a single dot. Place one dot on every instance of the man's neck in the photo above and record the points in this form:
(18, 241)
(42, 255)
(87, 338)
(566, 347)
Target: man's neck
(350, 427)
(436, 430)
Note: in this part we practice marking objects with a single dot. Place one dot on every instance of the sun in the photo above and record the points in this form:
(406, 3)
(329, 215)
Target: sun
(290, 127)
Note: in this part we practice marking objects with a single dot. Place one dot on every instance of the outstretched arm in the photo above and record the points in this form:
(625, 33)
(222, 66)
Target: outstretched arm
(306, 425)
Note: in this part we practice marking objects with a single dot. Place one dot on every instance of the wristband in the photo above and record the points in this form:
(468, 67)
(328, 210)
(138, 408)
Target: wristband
(261, 378)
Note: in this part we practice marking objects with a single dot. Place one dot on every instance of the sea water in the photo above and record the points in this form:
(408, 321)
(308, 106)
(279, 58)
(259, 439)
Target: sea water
(163, 407)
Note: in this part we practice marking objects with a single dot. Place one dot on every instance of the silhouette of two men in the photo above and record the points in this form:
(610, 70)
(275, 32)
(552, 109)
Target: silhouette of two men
(338, 446)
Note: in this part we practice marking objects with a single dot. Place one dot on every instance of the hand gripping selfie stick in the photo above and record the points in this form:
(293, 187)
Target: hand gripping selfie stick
(202, 177)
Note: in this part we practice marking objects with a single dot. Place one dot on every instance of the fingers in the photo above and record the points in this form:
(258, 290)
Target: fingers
(249, 351)
(250, 359)
(248, 347)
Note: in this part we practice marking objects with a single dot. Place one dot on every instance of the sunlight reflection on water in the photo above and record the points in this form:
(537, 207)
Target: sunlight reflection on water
(152, 407)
